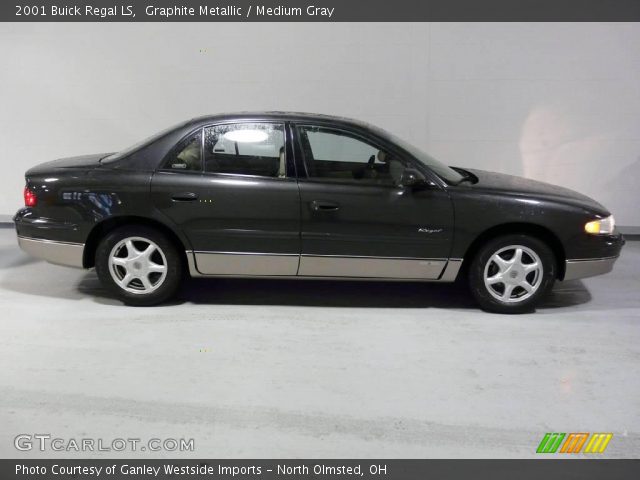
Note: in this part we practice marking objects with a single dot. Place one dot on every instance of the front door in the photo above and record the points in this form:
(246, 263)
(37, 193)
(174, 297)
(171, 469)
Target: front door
(357, 221)
(230, 188)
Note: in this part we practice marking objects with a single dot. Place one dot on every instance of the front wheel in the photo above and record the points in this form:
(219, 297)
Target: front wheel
(510, 274)
(139, 264)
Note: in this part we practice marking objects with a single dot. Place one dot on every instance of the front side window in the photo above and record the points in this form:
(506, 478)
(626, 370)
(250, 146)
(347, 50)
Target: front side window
(338, 156)
(245, 149)
(187, 154)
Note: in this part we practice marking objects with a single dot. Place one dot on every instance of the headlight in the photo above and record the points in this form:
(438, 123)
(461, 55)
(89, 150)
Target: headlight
(602, 226)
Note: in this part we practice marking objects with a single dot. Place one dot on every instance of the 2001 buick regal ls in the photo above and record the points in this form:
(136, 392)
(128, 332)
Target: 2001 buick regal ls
(286, 195)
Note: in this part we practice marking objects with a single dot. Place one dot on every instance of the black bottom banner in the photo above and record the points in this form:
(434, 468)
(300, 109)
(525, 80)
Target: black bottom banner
(543, 469)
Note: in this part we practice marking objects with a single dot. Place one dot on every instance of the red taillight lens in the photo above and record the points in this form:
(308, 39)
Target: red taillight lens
(30, 199)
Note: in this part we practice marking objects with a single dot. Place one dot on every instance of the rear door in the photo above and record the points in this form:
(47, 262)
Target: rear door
(232, 190)
(357, 221)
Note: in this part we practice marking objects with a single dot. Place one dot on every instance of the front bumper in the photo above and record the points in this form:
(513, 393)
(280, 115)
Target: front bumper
(588, 267)
(593, 255)
(60, 253)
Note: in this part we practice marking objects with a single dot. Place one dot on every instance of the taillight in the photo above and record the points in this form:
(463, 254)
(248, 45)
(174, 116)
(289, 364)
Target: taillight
(30, 199)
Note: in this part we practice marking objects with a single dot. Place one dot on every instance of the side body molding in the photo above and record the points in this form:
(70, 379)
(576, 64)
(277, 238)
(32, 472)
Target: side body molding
(233, 264)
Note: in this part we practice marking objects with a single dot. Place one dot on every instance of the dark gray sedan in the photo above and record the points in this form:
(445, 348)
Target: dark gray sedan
(284, 195)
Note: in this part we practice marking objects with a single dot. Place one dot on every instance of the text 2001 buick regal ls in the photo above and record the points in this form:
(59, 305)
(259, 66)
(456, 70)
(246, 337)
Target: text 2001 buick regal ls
(286, 195)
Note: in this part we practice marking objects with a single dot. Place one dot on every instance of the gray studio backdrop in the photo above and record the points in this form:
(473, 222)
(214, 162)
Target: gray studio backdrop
(552, 101)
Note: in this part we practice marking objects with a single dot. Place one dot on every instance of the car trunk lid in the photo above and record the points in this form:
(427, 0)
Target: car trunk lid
(81, 161)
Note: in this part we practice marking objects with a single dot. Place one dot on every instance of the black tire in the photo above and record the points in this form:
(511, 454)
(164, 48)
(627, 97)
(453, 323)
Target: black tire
(519, 299)
(161, 286)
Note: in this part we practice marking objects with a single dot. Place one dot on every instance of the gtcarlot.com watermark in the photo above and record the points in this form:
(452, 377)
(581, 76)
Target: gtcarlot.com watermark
(44, 442)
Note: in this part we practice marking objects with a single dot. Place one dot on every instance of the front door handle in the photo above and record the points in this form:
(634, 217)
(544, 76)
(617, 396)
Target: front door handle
(184, 197)
(320, 206)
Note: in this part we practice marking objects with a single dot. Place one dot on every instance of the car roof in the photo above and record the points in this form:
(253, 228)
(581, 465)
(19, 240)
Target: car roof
(280, 115)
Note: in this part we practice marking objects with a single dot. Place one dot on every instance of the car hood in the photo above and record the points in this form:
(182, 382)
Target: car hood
(82, 161)
(512, 185)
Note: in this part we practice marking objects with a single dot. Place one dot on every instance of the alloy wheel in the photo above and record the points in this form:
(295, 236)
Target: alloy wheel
(513, 274)
(137, 265)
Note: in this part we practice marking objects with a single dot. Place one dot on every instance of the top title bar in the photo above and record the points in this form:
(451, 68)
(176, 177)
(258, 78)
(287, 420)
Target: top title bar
(320, 11)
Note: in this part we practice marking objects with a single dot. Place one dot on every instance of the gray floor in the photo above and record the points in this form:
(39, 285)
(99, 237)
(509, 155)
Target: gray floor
(313, 369)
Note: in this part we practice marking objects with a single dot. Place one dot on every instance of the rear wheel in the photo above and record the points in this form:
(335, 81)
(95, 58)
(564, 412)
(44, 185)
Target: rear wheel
(139, 264)
(510, 274)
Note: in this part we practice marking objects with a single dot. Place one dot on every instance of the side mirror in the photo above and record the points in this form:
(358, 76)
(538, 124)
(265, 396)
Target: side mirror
(412, 178)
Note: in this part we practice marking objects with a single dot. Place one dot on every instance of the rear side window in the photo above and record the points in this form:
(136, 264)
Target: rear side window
(186, 155)
(245, 149)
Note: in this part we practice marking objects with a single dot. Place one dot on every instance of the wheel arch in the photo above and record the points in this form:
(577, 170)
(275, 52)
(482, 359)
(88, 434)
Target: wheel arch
(535, 230)
(103, 228)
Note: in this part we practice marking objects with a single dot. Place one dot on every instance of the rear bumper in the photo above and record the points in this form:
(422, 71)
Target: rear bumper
(30, 224)
(60, 253)
(588, 267)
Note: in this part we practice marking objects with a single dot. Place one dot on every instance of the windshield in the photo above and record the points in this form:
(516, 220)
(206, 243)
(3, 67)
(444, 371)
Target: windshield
(448, 174)
(123, 153)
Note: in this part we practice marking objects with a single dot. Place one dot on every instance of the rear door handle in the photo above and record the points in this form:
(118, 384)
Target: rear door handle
(184, 197)
(320, 206)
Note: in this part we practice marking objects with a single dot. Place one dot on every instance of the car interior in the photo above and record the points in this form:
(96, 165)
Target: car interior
(248, 150)
(329, 154)
(336, 155)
